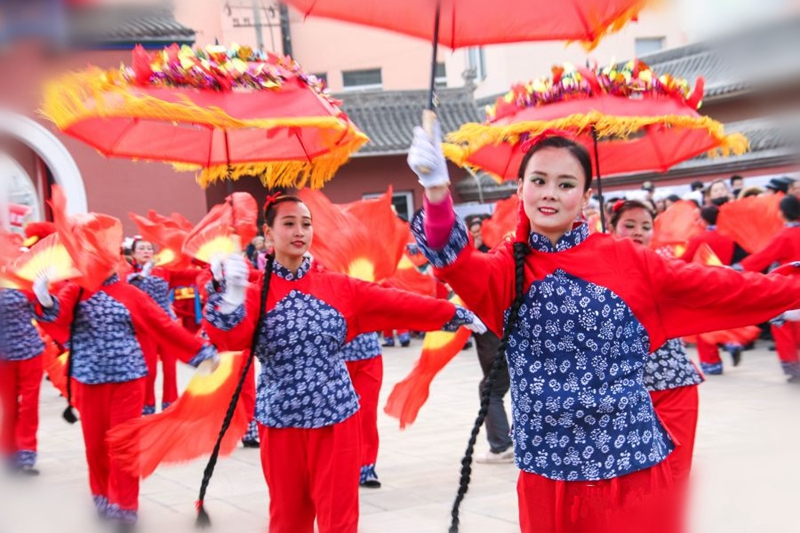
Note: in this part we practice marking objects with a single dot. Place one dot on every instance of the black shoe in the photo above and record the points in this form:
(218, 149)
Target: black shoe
(793, 380)
(749, 346)
(251, 444)
(371, 484)
(467, 346)
(771, 348)
(736, 354)
(405, 344)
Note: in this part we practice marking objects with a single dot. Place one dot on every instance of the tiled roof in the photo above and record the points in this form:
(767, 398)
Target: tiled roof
(104, 26)
(388, 117)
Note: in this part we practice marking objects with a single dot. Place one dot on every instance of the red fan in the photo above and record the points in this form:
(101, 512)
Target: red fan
(364, 239)
(188, 429)
(438, 349)
(706, 256)
(175, 220)
(92, 240)
(223, 230)
(164, 234)
(752, 222)
(49, 257)
(10, 249)
(502, 223)
(408, 278)
(674, 227)
(36, 231)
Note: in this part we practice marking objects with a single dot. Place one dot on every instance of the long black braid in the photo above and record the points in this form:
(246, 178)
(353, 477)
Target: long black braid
(203, 520)
(69, 413)
(520, 251)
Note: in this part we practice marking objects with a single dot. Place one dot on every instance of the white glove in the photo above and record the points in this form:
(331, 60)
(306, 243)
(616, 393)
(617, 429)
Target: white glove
(426, 159)
(216, 268)
(236, 282)
(42, 291)
(147, 268)
(476, 326)
(792, 315)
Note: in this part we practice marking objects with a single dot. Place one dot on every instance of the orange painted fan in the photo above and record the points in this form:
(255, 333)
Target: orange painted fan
(752, 222)
(224, 229)
(164, 234)
(438, 349)
(188, 429)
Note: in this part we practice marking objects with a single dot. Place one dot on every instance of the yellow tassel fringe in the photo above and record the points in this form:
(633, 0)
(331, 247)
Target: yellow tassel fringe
(470, 138)
(100, 93)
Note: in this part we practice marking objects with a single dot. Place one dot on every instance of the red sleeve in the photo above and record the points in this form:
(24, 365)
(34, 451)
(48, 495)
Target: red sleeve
(771, 253)
(149, 319)
(378, 308)
(239, 336)
(693, 299)
(484, 281)
(182, 278)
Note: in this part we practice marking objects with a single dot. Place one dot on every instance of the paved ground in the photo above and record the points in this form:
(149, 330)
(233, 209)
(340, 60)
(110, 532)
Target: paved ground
(746, 466)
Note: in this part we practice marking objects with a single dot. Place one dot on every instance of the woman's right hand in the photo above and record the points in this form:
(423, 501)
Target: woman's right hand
(426, 159)
(42, 291)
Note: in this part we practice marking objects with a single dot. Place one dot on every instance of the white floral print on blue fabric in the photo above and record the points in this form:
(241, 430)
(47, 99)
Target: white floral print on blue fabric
(19, 340)
(669, 367)
(361, 348)
(440, 258)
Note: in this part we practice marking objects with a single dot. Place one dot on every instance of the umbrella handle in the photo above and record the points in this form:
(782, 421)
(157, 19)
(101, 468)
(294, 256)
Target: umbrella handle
(428, 121)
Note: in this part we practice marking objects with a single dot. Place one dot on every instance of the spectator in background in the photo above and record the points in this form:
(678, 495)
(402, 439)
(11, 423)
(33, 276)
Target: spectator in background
(718, 192)
(661, 206)
(256, 246)
(650, 189)
(778, 185)
(794, 188)
(671, 199)
(737, 184)
(474, 224)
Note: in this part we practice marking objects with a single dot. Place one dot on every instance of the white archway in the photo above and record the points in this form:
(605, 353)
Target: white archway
(53, 153)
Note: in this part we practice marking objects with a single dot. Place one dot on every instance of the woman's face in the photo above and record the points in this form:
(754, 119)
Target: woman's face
(143, 252)
(718, 190)
(552, 192)
(258, 243)
(291, 232)
(637, 225)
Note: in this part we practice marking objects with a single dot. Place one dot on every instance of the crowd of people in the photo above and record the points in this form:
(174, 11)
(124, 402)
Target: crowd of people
(582, 329)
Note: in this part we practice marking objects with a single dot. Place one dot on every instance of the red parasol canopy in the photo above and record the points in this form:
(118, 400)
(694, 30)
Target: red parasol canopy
(230, 112)
(643, 122)
(477, 22)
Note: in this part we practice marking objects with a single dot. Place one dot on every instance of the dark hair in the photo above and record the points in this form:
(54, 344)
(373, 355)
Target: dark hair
(628, 205)
(521, 249)
(709, 214)
(576, 150)
(790, 208)
(719, 202)
(135, 243)
(674, 198)
(696, 185)
(203, 520)
(271, 206)
(736, 177)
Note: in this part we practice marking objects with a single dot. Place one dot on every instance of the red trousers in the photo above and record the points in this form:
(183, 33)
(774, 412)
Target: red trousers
(20, 382)
(787, 338)
(169, 366)
(677, 408)
(312, 473)
(708, 353)
(103, 407)
(635, 503)
(367, 376)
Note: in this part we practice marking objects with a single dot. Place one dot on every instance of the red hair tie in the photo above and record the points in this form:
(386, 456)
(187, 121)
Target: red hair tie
(618, 205)
(272, 198)
(530, 142)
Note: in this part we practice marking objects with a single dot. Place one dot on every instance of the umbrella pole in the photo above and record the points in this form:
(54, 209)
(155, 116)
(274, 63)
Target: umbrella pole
(599, 180)
(429, 115)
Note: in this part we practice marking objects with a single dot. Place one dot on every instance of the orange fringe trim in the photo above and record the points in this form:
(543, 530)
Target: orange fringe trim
(473, 136)
(104, 93)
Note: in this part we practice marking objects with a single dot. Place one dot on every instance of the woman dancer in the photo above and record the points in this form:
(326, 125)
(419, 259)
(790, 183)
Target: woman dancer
(581, 314)
(305, 401)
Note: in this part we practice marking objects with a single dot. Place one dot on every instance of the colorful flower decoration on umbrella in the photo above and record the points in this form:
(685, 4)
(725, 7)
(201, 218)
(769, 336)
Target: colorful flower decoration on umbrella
(228, 112)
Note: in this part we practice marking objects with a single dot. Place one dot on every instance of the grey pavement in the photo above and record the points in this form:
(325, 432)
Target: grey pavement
(746, 468)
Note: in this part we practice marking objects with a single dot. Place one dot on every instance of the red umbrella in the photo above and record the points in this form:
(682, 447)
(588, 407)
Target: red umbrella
(630, 118)
(459, 23)
(230, 112)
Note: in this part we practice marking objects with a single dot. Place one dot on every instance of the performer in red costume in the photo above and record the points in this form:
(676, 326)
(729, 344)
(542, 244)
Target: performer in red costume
(305, 400)
(669, 374)
(784, 248)
(728, 253)
(581, 315)
(105, 330)
(21, 370)
(157, 283)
